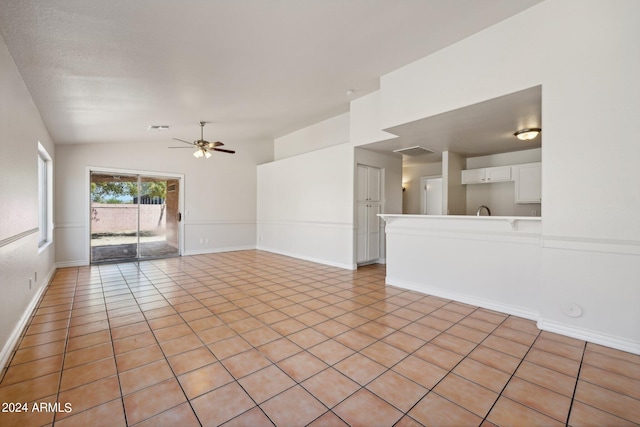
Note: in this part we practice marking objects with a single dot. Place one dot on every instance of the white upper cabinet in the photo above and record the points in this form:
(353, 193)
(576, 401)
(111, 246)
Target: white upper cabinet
(486, 175)
(528, 183)
(369, 184)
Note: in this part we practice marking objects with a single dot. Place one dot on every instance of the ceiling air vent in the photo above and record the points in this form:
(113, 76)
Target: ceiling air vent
(158, 127)
(413, 151)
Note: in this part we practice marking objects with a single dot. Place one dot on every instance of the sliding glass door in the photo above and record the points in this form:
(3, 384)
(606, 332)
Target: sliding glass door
(133, 217)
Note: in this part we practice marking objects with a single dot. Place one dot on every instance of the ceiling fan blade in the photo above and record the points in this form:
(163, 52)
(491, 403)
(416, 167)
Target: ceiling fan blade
(223, 150)
(186, 142)
(215, 144)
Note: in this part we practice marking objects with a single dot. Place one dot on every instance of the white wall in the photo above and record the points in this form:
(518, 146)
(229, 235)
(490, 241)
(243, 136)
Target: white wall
(220, 192)
(21, 128)
(305, 206)
(454, 194)
(590, 182)
(333, 131)
(500, 196)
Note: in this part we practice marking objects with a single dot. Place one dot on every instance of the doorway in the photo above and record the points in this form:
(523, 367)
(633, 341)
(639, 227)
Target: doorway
(431, 195)
(133, 217)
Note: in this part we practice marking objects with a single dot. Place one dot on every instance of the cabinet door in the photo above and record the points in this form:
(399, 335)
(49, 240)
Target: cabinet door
(373, 234)
(361, 232)
(498, 174)
(362, 184)
(528, 188)
(473, 176)
(374, 184)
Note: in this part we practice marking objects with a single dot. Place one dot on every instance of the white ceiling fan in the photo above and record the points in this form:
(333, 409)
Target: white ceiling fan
(202, 146)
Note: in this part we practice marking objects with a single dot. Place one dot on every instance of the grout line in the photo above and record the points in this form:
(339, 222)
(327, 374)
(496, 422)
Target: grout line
(575, 388)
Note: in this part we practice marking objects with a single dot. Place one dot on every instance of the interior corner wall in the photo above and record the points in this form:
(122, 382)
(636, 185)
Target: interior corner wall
(305, 206)
(21, 128)
(333, 131)
(219, 212)
(590, 179)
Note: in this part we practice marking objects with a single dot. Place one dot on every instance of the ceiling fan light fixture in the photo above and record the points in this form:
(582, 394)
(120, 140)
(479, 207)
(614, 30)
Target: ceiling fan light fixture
(527, 133)
(198, 153)
(206, 154)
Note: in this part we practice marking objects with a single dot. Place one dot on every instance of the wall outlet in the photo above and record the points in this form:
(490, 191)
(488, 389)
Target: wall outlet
(206, 240)
(201, 240)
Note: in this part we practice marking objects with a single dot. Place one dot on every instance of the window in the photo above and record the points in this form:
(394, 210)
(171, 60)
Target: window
(45, 204)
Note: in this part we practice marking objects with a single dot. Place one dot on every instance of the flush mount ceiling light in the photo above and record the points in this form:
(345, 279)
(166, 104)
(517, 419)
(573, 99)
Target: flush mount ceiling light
(527, 134)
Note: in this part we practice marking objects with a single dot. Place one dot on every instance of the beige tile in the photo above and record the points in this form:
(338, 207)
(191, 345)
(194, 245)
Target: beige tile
(222, 404)
(438, 411)
(139, 357)
(331, 351)
(229, 347)
(466, 394)
(245, 363)
(355, 340)
(617, 404)
(205, 379)
(539, 398)
(506, 412)
(397, 390)
(110, 414)
(444, 358)
(252, 309)
(330, 387)
(548, 378)
(384, 354)
(420, 371)
(366, 409)
(31, 354)
(90, 372)
(293, 407)
(145, 376)
(279, 349)
(181, 415)
(482, 374)
(253, 417)
(302, 366)
(584, 415)
(153, 400)
(90, 395)
(329, 419)
(266, 383)
(360, 369)
(87, 355)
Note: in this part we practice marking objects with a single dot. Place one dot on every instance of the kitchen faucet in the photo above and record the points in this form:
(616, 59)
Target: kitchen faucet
(480, 210)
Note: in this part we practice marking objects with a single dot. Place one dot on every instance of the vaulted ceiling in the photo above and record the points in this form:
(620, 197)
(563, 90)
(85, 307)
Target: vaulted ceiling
(104, 71)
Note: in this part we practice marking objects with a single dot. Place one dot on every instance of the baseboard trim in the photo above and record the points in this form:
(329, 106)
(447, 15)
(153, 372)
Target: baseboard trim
(77, 263)
(217, 250)
(307, 258)
(7, 350)
(464, 298)
(607, 340)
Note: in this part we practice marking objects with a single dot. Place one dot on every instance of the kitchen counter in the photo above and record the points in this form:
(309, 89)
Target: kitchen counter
(487, 261)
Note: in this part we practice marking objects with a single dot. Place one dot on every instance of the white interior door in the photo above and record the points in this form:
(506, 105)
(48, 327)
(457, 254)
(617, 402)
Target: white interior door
(431, 195)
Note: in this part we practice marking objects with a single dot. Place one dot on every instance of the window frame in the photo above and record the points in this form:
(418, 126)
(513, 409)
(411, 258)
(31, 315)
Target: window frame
(45, 199)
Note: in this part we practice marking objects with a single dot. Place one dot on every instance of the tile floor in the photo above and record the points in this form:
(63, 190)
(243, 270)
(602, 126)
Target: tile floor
(255, 339)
